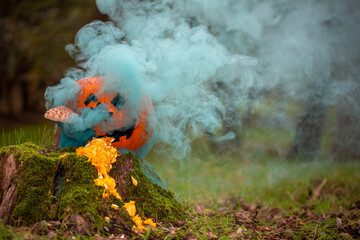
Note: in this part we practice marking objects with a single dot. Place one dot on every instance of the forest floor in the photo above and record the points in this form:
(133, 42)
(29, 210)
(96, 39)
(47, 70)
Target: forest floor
(232, 220)
(247, 193)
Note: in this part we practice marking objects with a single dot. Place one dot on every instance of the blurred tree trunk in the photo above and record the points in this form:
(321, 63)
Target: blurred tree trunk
(346, 140)
(13, 69)
(309, 130)
(25, 97)
(235, 122)
(246, 117)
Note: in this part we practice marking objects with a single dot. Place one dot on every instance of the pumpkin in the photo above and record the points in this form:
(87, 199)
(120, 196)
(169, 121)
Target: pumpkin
(129, 132)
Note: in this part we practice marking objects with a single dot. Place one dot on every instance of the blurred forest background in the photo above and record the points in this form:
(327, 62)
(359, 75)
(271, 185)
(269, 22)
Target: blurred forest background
(33, 36)
(32, 41)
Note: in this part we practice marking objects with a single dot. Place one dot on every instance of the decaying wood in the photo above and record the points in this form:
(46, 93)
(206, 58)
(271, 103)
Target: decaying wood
(122, 173)
(78, 224)
(8, 168)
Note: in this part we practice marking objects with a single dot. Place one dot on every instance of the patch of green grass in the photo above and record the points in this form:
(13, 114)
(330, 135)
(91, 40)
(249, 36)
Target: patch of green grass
(260, 177)
(204, 225)
(40, 135)
(5, 232)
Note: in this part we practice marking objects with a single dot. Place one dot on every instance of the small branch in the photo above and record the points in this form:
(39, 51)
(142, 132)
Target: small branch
(293, 198)
(315, 232)
(254, 219)
(317, 191)
(57, 138)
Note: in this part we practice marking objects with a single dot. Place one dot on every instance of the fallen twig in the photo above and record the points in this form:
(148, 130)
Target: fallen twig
(317, 190)
(57, 138)
(254, 219)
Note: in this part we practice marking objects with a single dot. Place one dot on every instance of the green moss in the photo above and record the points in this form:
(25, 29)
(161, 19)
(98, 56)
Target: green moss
(34, 184)
(39, 175)
(79, 194)
(78, 170)
(53, 188)
(150, 199)
(81, 200)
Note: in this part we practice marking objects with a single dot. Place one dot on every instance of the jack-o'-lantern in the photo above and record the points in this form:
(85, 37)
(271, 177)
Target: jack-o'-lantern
(129, 132)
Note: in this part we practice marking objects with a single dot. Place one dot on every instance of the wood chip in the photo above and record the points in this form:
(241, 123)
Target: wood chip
(199, 208)
(239, 231)
(338, 222)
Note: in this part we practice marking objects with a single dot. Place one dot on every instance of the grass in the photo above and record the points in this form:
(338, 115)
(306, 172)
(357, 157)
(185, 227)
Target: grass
(226, 191)
(42, 135)
(5, 232)
(257, 177)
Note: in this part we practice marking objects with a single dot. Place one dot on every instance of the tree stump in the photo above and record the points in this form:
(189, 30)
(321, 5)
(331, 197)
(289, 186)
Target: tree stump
(36, 185)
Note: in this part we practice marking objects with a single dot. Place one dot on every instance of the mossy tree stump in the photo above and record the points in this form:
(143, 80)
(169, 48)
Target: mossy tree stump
(36, 185)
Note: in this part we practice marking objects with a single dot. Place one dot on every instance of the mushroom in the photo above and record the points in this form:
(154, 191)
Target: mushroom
(58, 114)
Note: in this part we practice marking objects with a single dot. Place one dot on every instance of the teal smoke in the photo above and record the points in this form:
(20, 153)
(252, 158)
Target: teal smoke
(177, 53)
(149, 49)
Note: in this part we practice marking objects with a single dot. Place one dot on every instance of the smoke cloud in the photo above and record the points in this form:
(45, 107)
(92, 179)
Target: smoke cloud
(199, 61)
(296, 43)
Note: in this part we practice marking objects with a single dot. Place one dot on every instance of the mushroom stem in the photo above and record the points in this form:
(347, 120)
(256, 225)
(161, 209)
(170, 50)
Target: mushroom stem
(57, 138)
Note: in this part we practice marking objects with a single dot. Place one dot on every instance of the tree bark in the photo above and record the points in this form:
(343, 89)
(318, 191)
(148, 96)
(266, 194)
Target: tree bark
(8, 167)
(346, 139)
(309, 130)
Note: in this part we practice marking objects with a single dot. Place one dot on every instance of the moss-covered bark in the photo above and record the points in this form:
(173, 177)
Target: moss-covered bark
(33, 182)
(151, 200)
(47, 187)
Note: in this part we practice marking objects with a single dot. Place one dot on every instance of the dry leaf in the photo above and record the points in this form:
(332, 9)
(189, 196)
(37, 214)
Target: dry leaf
(211, 235)
(199, 208)
(239, 231)
(338, 222)
(114, 206)
(134, 181)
